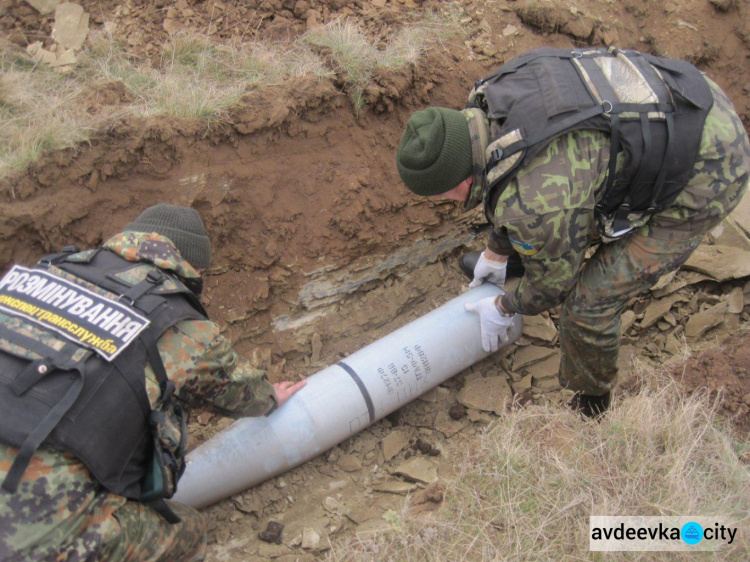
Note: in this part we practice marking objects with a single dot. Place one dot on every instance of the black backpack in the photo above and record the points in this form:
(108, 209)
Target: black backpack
(653, 108)
(72, 365)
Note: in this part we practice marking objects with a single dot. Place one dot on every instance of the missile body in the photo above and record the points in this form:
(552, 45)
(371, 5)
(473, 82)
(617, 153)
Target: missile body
(340, 401)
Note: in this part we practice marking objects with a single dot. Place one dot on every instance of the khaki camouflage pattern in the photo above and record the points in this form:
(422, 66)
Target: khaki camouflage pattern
(141, 534)
(151, 248)
(548, 211)
(136, 274)
(479, 133)
(549, 208)
(60, 513)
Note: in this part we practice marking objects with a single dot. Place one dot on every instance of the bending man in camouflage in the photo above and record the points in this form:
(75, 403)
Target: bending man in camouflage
(543, 177)
(59, 511)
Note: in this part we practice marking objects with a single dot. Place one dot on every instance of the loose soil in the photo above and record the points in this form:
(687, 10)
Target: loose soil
(318, 247)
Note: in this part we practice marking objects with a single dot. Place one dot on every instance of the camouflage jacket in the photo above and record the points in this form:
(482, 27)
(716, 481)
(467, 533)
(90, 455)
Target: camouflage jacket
(547, 211)
(65, 513)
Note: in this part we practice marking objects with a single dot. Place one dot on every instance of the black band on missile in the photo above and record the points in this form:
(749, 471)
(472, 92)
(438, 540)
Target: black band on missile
(362, 388)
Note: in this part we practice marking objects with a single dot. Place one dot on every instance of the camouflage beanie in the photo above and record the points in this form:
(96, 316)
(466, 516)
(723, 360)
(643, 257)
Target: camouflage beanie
(435, 152)
(181, 225)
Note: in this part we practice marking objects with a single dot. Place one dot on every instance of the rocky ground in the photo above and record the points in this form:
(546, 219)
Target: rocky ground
(319, 250)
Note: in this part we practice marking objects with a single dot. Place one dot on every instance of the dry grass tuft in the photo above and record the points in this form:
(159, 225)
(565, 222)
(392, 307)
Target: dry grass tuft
(355, 56)
(41, 110)
(527, 491)
(37, 113)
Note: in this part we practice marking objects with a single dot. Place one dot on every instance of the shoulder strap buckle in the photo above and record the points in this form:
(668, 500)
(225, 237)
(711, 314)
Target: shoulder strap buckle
(51, 259)
(153, 279)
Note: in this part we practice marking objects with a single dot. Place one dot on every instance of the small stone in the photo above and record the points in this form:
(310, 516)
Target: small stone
(457, 411)
(417, 469)
(657, 309)
(475, 416)
(422, 446)
(332, 505)
(250, 505)
(349, 463)
(317, 346)
(720, 262)
(627, 320)
(509, 30)
(701, 322)
(39, 54)
(392, 444)
(539, 327)
(547, 368)
(488, 394)
(311, 539)
(735, 301)
(172, 26)
(664, 281)
(670, 319)
(447, 425)
(672, 345)
(300, 9)
(543, 385)
(272, 533)
(729, 233)
(684, 279)
(71, 25)
(522, 386)
(731, 323)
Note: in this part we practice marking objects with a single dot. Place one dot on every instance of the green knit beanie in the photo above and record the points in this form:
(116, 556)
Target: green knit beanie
(181, 225)
(435, 152)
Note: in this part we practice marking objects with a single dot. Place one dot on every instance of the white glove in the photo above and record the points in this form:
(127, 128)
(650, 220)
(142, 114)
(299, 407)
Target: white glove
(492, 271)
(493, 325)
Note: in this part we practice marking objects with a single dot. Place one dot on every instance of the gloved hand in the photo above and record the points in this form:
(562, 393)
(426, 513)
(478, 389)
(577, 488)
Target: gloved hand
(492, 271)
(493, 325)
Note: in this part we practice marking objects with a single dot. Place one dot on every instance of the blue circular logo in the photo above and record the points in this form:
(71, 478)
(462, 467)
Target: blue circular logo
(691, 533)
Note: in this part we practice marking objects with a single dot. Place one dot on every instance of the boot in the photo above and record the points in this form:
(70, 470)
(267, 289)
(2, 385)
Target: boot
(469, 260)
(593, 407)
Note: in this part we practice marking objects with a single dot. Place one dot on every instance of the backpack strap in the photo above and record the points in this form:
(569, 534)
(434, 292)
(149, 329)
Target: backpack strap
(167, 392)
(161, 507)
(52, 259)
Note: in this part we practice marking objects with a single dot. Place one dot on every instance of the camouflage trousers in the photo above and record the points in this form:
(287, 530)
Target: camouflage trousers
(617, 272)
(621, 270)
(145, 536)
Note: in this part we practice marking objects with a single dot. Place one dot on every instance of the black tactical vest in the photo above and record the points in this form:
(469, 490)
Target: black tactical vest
(72, 366)
(653, 108)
